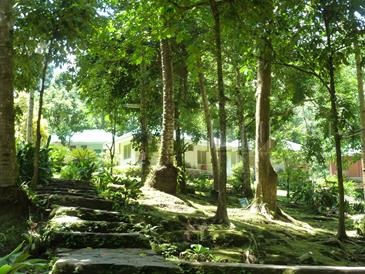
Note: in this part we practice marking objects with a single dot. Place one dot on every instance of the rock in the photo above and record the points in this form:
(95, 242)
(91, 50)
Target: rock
(112, 261)
(69, 200)
(73, 223)
(75, 239)
(90, 214)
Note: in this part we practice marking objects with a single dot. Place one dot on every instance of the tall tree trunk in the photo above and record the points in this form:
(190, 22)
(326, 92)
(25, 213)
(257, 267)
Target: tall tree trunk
(221, 215)
(8, 172)
(164, 177)
(208, 122)
(246, 180)
(266, 177)
(29, 132)
(143, 119)
(341, 231)
(360, 89)
(180, 146)
(35, 177)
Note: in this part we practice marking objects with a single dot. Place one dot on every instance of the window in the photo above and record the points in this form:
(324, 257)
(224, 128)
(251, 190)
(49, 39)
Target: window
(127, 151)
(202, 157)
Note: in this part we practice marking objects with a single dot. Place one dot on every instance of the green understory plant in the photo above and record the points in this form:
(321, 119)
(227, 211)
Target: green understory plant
(80, 164)
(25, 159)
(19, 259)
(197, 253)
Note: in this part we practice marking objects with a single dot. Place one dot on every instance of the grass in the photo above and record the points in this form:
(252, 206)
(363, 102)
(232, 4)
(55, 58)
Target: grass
(310, 239)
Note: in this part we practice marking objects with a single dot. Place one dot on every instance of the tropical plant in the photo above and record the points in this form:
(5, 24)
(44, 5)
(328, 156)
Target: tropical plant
(19, 259)
(80, 164)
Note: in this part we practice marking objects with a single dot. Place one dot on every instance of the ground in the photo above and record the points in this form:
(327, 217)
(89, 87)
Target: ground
(186, 219)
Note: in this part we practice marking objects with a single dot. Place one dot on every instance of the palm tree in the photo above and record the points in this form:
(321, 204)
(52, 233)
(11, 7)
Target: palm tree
(7, 140)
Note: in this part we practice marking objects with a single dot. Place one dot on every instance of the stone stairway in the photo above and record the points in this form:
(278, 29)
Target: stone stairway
(89, 237)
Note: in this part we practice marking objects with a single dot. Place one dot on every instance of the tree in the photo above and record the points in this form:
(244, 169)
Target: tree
(8, 172)
(221, 213)
(164, 177)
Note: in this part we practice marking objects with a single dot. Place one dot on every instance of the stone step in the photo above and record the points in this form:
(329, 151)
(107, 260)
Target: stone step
(228, 268)
(72, 223)
(69, 200)
(112, 261)
(90, 214)
(74, 239)
(66, 187)
(69, 184)
(87, 194)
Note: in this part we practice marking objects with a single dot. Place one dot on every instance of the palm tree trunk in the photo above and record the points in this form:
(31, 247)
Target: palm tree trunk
(221, 215)
(360, 89)
(8, 171)
(164, 177)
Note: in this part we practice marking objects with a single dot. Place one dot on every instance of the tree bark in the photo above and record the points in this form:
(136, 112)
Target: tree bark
(266, 177)
(8, 170)
(246, 180)
(164, 177)
(208, 122)
(341, 231)
(29, 133)
(35, 177)
(221, 215)
(143, 119)
(360, 89)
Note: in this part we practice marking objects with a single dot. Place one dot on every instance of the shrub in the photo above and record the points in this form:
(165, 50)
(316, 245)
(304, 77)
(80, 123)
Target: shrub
(200, 183)
(80, 164)
(197, 253)
(235, 181)
(18, 260)
(319, 196)
(133, 171)
(25, 160)
(118, 188)
(359, 224)
(57, 156)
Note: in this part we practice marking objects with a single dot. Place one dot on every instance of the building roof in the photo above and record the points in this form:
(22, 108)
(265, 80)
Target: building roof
(97, 136)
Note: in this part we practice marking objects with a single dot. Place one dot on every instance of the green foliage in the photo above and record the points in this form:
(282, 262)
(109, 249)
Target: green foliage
(235, 181)
(359, 224)
(197, 253)
(118, 188)
(318, 197)
(200, 183)
(57, 156)
(80, 164)
(19, 259)
(130, 171)
(25, 159)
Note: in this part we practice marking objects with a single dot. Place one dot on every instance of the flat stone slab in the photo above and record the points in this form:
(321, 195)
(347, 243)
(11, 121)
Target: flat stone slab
(89, 214)
(229, 268)
(75, 239)
(69, 200)
(112, 261)
(71, 192)
(73, 223)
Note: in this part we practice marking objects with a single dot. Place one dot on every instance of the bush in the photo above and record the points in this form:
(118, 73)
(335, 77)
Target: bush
(118, 188)
(359, 224)
(25, 160)
(57, 156)
(80, 164)
(18, 260)
(201, 183)
(318, 196)
(130, 171)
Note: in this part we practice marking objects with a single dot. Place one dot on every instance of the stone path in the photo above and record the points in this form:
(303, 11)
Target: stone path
(89, 237)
